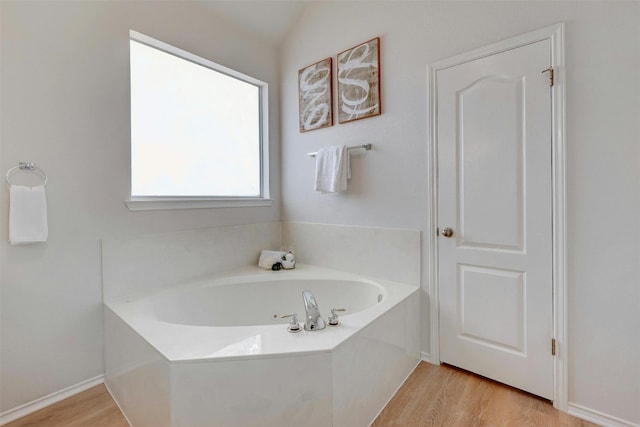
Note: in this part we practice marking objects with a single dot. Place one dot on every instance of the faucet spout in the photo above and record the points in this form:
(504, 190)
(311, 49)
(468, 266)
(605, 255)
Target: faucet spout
(313, 320)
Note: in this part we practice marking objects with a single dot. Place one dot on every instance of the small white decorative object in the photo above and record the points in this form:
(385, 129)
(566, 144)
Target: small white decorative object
(288, 261)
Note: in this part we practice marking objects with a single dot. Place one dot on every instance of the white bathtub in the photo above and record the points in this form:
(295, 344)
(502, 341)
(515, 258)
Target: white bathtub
(255, 300)
(215, 352)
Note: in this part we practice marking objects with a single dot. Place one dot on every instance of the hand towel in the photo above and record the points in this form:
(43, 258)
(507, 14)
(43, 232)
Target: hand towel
(333, 169)
(27, 215)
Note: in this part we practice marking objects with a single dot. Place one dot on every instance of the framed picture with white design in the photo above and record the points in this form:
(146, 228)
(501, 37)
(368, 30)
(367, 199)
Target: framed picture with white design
(315, 87)
(359, 82)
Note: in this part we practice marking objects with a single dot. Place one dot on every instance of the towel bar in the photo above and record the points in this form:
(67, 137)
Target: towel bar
(29, 167)
(353, 147)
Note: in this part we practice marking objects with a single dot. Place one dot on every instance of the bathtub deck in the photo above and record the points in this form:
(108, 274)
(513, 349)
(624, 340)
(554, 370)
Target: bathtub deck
(431, 396)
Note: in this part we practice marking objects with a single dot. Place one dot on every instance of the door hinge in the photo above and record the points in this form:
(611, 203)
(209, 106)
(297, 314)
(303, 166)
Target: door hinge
(553, 346)
(550, 70)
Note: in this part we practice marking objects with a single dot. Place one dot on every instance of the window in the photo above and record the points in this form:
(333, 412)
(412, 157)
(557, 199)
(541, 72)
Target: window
(198, 131)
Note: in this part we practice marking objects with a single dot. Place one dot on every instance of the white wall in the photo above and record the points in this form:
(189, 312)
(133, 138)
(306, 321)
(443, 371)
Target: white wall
(65, 106)
(388, 188)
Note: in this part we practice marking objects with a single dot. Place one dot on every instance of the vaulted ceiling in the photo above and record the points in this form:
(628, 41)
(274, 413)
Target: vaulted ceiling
(269, 20)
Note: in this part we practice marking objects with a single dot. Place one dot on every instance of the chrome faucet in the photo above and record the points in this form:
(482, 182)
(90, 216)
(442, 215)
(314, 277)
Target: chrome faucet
(313, 320)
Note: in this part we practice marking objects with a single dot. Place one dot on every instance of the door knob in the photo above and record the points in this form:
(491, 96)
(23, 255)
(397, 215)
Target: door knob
(447, 232)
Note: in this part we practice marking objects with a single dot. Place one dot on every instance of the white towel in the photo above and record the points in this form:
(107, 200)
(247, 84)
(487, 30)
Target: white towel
(27, 215)
(333, 169)
(268, 258)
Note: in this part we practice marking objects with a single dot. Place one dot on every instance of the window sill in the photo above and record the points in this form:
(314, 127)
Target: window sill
(171, 203)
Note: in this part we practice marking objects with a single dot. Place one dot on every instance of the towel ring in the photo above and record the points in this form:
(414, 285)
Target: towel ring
(27, 167)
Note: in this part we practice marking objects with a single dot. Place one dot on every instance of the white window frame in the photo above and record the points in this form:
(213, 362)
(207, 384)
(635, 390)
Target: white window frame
(138, 203)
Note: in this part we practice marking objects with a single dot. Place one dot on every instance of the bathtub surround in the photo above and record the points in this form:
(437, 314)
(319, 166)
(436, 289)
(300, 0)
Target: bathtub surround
(387, 253)
(262, 376)
(202, 370)
(145, 264)
(343, 388)
(146, 367)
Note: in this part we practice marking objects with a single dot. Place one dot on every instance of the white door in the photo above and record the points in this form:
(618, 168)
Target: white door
(495, 194)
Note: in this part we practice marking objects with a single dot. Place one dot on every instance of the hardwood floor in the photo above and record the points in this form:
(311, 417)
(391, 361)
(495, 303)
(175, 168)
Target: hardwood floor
(447, 396)
(91, 408)
(431, 396)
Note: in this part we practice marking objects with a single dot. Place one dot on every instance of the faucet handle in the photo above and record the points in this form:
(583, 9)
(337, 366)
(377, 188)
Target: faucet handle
(333, 318)
(294, 325)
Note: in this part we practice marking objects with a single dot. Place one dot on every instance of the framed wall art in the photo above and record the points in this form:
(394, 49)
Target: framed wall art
(315, 89)
(359, 82)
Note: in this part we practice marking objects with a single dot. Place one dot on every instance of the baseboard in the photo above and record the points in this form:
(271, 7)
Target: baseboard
(598, 417)
(425, 357)
(43, 402)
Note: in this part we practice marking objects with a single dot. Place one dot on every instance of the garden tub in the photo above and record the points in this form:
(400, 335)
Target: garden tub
(216, 351)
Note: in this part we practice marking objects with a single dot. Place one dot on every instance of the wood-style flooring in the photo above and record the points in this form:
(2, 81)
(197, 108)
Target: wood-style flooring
(447, 396)
(91, 408)
(431, 396)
